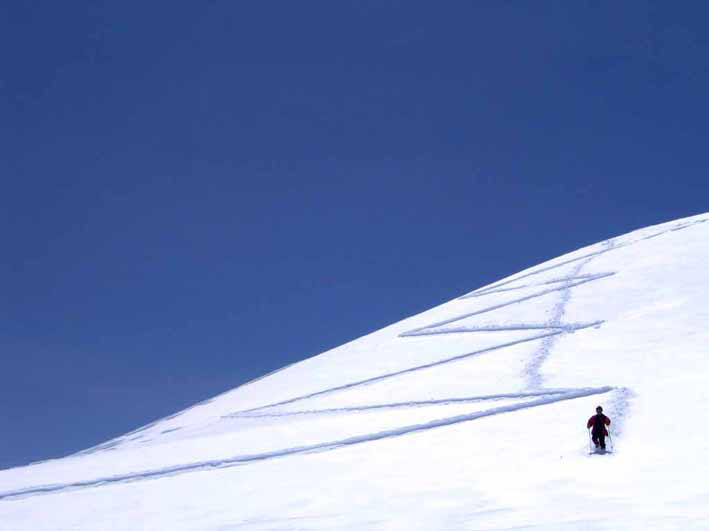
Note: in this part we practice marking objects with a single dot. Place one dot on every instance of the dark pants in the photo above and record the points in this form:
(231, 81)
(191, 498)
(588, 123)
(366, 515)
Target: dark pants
(599, 439)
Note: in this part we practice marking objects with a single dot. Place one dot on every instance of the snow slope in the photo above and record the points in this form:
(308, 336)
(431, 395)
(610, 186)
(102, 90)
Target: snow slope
(468, 416)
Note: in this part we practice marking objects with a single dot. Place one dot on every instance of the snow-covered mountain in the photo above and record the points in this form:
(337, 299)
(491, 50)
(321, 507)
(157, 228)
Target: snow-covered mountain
(471, 415)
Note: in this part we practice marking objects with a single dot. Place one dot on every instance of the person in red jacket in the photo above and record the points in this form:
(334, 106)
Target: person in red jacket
(598, 423)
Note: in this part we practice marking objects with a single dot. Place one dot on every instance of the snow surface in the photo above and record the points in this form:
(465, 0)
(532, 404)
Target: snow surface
(468, 416)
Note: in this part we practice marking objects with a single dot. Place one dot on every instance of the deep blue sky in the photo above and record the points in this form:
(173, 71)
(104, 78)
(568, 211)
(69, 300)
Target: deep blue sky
(195, 193)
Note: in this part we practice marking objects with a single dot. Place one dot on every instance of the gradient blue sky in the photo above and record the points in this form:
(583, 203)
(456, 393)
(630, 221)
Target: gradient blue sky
(195, 193)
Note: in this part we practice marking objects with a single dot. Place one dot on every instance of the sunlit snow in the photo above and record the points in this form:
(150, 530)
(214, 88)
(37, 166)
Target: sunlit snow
(469, 416)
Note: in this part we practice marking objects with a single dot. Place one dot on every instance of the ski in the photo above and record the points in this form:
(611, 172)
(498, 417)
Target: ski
(600, 452)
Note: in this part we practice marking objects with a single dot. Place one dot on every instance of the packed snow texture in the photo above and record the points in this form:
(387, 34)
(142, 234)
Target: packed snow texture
(471, 415)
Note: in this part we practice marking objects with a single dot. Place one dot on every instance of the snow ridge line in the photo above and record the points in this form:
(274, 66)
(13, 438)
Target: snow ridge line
(554, 328)
(534, 365)
(320, 447)
(494, 286)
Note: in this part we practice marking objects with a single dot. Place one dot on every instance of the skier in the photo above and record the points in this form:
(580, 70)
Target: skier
(599, 432)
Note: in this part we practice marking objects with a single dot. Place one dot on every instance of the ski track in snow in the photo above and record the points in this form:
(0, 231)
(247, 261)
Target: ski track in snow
(376, 379)
(533, 369)
(320, 447)
(553, 330)
(496, 285)
(569, 283)
(488, 291)
(398, 405)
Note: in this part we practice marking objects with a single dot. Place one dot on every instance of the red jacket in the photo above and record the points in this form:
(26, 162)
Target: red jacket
(606, 421)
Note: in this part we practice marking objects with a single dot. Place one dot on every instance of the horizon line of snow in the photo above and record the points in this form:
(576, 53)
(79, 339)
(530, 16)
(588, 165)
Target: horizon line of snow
(495, 285)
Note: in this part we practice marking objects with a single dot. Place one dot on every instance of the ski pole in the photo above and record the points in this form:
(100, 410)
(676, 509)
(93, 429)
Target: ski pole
(611, 441)
(590, 440)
